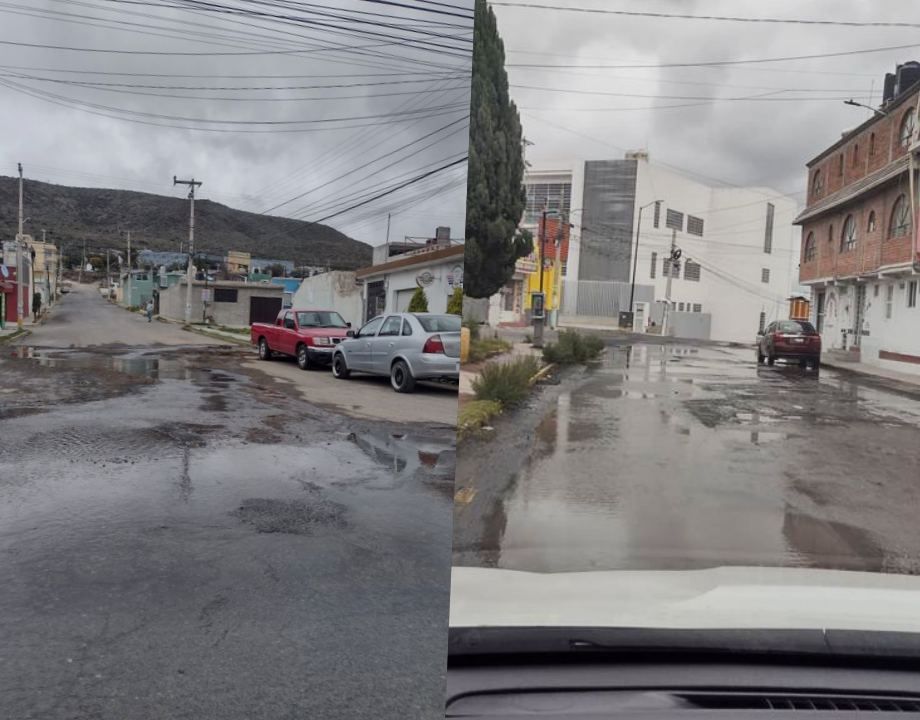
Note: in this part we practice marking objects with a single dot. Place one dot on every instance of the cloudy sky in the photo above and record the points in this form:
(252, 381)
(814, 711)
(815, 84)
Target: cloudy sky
(292, 108)
(595, 113)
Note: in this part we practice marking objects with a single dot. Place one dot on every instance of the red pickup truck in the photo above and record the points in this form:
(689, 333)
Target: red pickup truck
(308, 335)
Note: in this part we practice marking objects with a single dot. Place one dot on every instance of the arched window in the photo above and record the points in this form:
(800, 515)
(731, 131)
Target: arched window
(817, 183)
(810, 247)
(900, 218)
(848, 234)
(830, 233)
(906, 133)
(870, 226)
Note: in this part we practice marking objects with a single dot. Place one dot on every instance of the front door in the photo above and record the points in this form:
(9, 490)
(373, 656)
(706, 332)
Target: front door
(359, 353)
(384, 345)
(860, 314)
(819, 312)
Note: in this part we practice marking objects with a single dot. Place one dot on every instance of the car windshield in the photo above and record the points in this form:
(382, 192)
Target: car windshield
(704, 370)
(439, 323)
(320, 319)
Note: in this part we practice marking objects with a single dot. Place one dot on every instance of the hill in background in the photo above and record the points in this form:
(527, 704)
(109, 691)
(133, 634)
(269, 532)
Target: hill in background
(99, 216)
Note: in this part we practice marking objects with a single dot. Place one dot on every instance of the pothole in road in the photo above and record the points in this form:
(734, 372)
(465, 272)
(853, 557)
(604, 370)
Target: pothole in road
(291, 517)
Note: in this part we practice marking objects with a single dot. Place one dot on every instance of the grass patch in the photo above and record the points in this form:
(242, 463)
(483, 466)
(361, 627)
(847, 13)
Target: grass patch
(236, 330)
(474, 415)
(572, 348)
(482, 348)
(507, 383)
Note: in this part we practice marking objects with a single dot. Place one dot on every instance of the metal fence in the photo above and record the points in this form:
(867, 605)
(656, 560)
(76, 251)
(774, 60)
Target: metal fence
(601, 300)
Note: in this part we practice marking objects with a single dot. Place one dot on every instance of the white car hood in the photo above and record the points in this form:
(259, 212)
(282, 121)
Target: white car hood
(717, 598)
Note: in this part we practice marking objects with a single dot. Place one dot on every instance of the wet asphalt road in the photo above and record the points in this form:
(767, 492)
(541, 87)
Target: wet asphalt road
(677, 457)
(181, 539)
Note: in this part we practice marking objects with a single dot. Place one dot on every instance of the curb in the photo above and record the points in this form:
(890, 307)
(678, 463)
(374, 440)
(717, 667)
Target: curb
(542, 372)
(213, 336)
(15, 335)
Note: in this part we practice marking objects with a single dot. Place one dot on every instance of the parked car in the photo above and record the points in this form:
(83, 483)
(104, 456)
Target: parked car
(795, 340)
(308, 335)
(406, 347)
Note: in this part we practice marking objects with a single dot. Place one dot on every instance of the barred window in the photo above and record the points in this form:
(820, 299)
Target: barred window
(674, 219)
(768, 233)
(657, 213)
(765, 275)
(228, 295)
(654, 265)
(666, 264)
(697, 307)
(694, 225)
(692, 271)
(555, 197)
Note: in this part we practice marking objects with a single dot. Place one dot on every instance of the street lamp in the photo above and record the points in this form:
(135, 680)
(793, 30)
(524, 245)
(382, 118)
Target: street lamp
(632, 287)
(852, 102)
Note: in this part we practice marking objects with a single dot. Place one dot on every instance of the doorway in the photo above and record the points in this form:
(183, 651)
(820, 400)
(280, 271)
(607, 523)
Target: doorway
(819, 311)
(859, 314)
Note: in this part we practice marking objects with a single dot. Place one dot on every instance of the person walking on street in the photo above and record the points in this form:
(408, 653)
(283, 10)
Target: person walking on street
(150, 311)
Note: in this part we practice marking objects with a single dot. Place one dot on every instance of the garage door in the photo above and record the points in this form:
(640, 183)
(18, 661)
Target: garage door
(403, 298)
(264, 309)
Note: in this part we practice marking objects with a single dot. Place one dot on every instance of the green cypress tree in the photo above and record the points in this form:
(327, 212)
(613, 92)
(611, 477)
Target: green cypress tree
(455, 304)
(419, 301)
(495, 190)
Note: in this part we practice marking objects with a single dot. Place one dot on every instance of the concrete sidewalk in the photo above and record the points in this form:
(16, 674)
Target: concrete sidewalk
(832, 361)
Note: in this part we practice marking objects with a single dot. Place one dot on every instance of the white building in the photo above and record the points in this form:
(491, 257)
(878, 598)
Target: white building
(388, 286)
(336, 290)
(739, 262)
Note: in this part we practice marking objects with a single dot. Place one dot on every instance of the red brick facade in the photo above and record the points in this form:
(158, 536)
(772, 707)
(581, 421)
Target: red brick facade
(871, 148)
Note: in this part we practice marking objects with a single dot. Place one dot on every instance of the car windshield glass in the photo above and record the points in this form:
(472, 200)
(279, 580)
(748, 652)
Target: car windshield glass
(320, 319)
(439, 323)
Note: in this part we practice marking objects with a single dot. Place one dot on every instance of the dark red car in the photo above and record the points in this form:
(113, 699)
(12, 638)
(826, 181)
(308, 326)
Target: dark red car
(791, 340)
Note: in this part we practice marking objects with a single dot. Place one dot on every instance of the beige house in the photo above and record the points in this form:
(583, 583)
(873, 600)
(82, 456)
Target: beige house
(238, 262)
(234, 304)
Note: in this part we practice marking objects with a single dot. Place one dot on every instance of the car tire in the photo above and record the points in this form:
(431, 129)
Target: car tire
(265, 352)
(401, 377)
(303, 357)
(760, 358)
(340, 367)
(771, 360)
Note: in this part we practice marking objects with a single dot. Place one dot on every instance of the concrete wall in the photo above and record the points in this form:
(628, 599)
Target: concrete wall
(332, 291)
(697, 326)
(608, 206)
(172, 302)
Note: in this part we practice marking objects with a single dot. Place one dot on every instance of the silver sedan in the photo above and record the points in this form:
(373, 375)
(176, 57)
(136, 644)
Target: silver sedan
(406, 347)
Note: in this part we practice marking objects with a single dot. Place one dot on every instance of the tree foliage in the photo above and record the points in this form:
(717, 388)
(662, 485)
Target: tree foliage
(419, 301)
(495, 190)
(455, 304)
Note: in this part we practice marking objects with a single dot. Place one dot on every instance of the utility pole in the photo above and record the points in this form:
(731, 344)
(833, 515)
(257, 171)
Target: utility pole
(672, 264)
(19, 269)
(191, 244)
(539, 313)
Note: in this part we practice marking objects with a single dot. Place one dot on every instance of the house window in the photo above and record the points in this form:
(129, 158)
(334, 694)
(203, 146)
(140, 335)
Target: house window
(840, 165)
(680, 307)
(848, 235)
(906, 133)
(654, 265)
(912, 293)
(871, 144)
(817, 184)
(768, 234)
(870, 226)
(765, 275)
(674, 219)
(810, 247)
(875, 291)
(697, 307)
(900, 218)
(657, 213)
(830, 233)
(855, 154)
(227, 295)
(763, 322)
(889, 301)
(695, 225)
(692, 271)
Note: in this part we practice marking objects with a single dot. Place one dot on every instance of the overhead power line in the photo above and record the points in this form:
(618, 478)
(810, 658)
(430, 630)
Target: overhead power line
(720, 18)
(414, 180)
(714, 63)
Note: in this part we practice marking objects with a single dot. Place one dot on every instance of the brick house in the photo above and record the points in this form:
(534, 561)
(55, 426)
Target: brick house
(860, 253)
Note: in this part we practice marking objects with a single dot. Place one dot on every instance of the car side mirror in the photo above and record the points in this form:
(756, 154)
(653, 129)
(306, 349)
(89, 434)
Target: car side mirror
(348, 324)
(351, 334)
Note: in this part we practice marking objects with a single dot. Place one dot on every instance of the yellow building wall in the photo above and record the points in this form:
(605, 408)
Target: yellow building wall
(551, 286)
